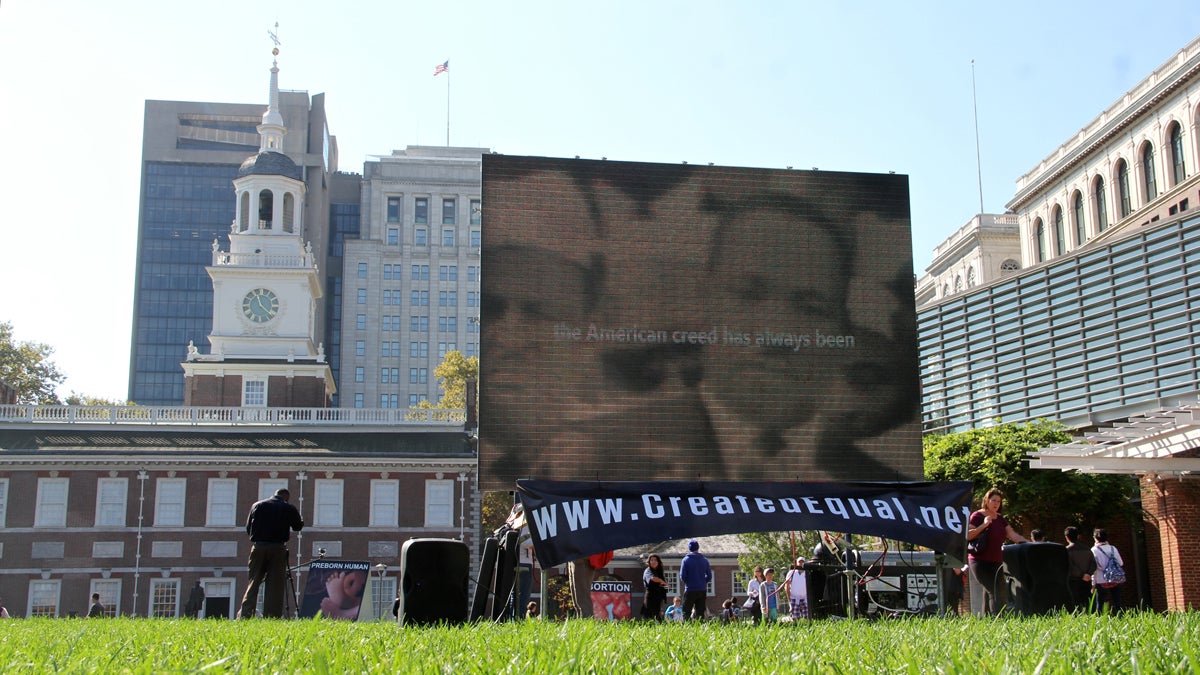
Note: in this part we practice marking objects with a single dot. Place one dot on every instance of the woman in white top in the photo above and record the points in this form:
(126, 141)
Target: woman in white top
(752, 602)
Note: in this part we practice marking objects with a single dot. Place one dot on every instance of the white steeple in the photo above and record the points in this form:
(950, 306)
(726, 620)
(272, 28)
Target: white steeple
(272, 130)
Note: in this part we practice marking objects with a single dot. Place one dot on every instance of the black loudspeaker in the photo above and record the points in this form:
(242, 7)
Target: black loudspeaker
(433, 581)
(1038, 574)
(487, 572)
(506, 575)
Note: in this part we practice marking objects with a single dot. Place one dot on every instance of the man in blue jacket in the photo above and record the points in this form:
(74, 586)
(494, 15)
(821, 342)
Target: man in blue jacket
(695, 573)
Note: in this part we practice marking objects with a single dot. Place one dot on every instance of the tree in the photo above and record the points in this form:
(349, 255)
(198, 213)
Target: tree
(775, 549)
(453, 373)
(998, 457)
(26, 368)
(494, 508)
(76, 398)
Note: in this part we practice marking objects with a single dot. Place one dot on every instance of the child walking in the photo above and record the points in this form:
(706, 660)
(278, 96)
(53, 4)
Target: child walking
(767, 597)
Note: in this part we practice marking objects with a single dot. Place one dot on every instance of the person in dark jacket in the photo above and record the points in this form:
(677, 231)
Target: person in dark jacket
(97, 609)
(1081, 565)
(268, 525)
(195, 602)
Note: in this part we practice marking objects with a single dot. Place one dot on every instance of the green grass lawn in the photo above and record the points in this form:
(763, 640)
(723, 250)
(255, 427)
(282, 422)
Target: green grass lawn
(1130, 643)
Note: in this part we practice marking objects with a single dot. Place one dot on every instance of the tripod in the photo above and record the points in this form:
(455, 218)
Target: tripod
(291, 609)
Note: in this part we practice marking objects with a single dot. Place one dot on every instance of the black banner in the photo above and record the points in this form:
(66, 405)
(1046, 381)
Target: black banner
(572, 520)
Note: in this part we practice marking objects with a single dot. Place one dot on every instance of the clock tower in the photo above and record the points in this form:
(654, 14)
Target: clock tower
(265, 290)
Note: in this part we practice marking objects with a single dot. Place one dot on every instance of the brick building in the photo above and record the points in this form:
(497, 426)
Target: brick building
(138, 504)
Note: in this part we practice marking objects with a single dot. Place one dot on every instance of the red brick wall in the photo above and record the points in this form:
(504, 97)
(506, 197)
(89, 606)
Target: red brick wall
(77, 568)
(295, 392)
(282, 391)
(209, 390)
(1172, 506)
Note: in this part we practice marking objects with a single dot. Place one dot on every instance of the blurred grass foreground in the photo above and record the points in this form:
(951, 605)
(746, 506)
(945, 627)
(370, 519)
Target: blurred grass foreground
(1132, 642)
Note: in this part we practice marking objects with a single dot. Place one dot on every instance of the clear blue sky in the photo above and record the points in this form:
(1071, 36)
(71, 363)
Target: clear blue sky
(865, 86)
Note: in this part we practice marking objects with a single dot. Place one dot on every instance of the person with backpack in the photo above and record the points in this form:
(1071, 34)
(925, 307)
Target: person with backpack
(1110, 573)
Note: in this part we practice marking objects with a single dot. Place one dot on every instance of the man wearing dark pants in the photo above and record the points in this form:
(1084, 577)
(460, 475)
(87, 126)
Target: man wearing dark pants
(695, 573)
(268, 525)
(1081, 565)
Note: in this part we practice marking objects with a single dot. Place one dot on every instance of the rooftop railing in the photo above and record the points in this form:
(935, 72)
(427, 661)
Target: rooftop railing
(229, 416)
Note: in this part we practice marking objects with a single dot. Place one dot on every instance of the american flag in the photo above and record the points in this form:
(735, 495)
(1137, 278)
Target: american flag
(441, 68)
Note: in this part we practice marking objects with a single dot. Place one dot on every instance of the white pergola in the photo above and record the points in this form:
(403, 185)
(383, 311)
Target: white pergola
(1148, 443)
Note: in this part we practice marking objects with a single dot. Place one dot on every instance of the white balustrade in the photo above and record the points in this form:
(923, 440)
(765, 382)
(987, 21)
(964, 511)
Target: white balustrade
(228, 416)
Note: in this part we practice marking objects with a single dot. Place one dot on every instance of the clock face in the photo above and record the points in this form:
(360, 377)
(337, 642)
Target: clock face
(260, 305)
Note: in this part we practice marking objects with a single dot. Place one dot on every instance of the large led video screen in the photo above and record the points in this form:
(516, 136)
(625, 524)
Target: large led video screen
(679, 322)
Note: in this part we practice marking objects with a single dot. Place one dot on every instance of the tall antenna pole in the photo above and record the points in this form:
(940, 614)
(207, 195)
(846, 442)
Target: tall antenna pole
(978, 161)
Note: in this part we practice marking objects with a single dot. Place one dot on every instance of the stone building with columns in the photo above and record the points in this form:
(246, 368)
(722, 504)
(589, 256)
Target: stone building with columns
(1097, 329)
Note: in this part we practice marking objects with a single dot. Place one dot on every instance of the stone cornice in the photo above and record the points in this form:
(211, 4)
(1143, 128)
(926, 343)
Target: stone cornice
(290, 462)
(1127, 118)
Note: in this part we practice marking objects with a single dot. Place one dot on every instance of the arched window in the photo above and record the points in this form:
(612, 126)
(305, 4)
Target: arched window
(1060, 232)
(1077, 213)
(266, 209)
(1040, 241)
(1009, 265)
(1123, 194)
(958, 284)
(1101, 206)
(971, 281)
(1148, 182)
(289, 211)
(244, 213)
(946, 291)
(1177, 168)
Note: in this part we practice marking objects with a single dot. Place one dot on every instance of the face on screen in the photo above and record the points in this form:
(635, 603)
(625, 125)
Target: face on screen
(830, 357)
(533, 376)
(783, 307)
(665, 323)
(576, 364)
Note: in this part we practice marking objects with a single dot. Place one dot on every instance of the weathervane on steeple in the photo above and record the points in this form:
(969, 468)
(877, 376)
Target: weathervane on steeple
(271, 130)
(274, 35)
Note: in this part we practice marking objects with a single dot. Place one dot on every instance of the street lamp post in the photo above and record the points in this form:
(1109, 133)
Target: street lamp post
(382, 569)
(462, 505)
(142, 476)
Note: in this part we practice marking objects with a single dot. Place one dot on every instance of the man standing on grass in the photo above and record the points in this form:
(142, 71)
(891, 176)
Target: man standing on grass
(268, 525)
(695, 573)
(97, 610)
(796, 587)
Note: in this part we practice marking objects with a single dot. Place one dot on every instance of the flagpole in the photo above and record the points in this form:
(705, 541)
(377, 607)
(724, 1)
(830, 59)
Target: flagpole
(978, 157)
(444, 67)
